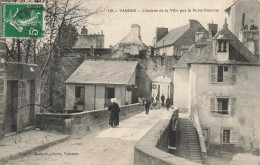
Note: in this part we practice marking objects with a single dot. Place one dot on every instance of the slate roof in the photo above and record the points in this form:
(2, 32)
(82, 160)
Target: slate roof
(172, 36)
(204, 54)
(103, 72)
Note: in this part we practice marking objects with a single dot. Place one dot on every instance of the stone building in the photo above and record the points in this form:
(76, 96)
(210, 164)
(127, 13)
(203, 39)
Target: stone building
(131, 45)
(219, 78)
(178, 40)
(86, 40)
(19, 94)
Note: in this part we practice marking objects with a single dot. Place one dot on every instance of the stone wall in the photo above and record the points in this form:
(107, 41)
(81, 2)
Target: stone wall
(79, 124)
(28, 98)
(153, 147)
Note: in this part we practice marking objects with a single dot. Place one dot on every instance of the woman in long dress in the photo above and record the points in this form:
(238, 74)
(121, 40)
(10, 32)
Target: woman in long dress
(114, 113)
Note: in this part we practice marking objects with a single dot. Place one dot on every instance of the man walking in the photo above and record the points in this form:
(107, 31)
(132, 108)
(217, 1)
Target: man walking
(162, 98)
(147, 104)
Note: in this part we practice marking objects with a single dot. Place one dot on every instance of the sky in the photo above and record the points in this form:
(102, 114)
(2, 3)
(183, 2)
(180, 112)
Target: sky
(116, 24)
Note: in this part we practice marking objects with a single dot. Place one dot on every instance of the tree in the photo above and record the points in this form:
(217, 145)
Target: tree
(61, 20)
(62, 17)
(68, 39)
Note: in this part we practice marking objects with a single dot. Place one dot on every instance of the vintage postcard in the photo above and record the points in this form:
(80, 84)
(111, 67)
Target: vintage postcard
(129, 82)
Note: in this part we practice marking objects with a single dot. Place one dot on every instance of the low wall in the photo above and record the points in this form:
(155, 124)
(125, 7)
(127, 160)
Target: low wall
(80, 124)
(152, 148)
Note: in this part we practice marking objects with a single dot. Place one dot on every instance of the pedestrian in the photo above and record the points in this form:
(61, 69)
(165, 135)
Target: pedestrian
(114, 113)
(168, 103)
(162, 98)
(152, 102)
(147, 104)
(157, 101)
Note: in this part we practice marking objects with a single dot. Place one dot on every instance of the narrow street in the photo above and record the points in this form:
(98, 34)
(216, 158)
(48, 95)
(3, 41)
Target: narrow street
(110, 146)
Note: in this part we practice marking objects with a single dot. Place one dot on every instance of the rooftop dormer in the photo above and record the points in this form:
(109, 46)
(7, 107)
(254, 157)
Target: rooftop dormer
(222, 50)
(221, 43)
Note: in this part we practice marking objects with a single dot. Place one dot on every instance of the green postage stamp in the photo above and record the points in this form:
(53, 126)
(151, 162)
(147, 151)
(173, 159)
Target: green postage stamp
(22, 20)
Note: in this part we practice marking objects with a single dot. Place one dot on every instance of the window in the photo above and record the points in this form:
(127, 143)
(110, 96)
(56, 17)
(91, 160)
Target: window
(79, 95)
(225, 69)
(222, 105)
(222, 46)
(226, 136)
(220, 73)
(110, 92)
(230, 136)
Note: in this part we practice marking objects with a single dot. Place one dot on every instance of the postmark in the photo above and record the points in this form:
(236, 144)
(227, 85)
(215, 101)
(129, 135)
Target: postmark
(22, 20)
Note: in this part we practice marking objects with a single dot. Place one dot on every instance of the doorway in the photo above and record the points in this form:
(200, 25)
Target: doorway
(11, 106)
(109, 93)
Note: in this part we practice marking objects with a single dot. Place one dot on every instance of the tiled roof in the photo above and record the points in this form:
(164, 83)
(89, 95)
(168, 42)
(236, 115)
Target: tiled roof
(173, 35)
(103, 72)
(204, 54)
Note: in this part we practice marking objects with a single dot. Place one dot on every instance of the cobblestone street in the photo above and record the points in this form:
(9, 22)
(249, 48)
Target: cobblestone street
(110, 146)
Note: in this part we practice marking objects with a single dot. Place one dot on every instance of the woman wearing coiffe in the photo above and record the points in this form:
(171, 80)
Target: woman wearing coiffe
(114, 113)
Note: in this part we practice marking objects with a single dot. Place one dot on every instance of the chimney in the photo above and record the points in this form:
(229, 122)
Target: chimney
(250, 38)
(213, 28)
(243, 21)
(160, 33)
(225, 24)
(192, 23)
(135, 29)
(84, 30)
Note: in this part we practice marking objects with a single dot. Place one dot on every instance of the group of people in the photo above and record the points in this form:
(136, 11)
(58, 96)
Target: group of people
(156, 104)
(114, 109)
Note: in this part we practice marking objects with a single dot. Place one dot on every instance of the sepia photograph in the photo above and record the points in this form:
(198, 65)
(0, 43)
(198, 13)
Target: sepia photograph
(129, 82)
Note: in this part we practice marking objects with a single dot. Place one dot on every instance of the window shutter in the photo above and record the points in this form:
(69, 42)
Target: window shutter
(233, 106)
(212, 105)
(234, 137)
(213, 73)
(233, 74)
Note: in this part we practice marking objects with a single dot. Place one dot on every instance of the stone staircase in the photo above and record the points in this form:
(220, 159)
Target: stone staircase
(193, 142)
